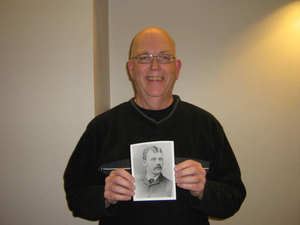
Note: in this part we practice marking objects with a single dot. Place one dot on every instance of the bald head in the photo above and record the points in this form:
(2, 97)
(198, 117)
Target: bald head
(152, 37)
(153, 81)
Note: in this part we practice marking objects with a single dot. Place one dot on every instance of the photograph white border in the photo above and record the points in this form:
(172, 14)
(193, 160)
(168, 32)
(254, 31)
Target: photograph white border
(138, 170)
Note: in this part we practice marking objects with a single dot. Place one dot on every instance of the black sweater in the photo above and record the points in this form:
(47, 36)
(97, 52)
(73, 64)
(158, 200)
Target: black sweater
(196, 135)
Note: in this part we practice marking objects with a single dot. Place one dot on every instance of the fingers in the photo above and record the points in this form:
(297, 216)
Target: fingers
(187, 164)
(118, 187)
(190, 175)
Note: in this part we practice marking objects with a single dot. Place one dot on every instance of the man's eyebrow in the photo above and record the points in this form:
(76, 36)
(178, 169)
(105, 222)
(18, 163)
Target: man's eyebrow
(148, 53)
(165, 52)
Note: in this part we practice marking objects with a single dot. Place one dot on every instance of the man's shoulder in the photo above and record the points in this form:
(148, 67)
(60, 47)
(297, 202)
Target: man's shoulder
(111, 114)
(192, 111)
(194, 108)
(141, 181)
(115, 109)
(165, 179)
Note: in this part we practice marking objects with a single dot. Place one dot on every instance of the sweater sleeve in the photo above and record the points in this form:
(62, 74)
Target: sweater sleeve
(224, 190)
(82, 183)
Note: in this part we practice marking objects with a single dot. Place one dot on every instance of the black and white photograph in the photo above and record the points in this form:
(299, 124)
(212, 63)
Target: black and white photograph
(152, 166)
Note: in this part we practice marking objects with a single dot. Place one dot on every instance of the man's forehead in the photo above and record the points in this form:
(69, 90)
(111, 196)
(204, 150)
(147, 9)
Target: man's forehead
(149, 40)
(153, 43)
(154, 154)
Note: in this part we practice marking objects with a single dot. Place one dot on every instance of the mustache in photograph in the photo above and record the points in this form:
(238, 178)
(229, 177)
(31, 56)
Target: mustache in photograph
(158, 167)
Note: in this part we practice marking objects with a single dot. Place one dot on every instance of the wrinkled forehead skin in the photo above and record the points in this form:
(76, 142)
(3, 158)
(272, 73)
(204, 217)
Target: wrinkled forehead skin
(152, 38)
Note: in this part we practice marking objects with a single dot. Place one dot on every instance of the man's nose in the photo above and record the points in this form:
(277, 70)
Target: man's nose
(154, 63)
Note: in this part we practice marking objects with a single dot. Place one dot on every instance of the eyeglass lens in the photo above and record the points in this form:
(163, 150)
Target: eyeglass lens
(161, 58)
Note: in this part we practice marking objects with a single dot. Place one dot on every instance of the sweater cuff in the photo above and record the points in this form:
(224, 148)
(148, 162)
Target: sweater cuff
(194, 201)
(109, 211)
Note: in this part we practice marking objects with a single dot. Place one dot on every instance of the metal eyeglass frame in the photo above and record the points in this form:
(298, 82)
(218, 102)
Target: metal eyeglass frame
(152, 57)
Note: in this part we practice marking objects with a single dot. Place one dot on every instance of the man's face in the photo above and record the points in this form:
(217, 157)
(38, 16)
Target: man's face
(154, 162)
(153, 80)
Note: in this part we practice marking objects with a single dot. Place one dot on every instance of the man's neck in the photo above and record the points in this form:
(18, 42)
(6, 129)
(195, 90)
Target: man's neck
(152, 176)
(155, 103)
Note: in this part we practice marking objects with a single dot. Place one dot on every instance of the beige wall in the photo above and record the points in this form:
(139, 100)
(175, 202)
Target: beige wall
(47, 98)
(101, 56)
(240, 62)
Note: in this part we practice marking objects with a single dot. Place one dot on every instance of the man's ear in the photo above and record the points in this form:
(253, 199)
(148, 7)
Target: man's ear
(145, 163)
(130, 68)
(178, 67)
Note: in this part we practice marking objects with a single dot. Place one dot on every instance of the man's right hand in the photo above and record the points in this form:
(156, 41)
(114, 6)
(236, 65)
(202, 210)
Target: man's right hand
(118, 187)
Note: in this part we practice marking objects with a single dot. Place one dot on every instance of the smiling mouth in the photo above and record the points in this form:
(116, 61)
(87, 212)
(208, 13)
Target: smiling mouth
(155, 78)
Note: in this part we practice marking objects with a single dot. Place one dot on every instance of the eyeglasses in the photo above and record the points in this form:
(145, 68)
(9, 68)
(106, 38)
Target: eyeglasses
(148, 58)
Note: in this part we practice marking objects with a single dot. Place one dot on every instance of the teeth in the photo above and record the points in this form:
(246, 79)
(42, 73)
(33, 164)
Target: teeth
(155, 78)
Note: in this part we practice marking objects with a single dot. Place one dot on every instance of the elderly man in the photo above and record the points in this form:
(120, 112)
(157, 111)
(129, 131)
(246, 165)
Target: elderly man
(154, 183)
(154, 114)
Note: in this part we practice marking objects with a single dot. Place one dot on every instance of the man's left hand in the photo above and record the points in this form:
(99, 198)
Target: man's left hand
(190, 175)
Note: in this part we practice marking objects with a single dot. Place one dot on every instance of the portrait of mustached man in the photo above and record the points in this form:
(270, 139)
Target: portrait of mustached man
(153, 183)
